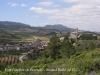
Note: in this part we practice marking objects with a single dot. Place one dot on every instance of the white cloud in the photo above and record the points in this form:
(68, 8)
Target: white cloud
(9, 3)
(23, 5)
(55, 5)
(49, 3)
(12, 4)
(41, 10)
(84, 16)
(82, 1)
(35, 16)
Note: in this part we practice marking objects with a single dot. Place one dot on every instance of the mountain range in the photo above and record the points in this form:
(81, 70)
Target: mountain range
(13, 25)
(58, 27)
(17, 25)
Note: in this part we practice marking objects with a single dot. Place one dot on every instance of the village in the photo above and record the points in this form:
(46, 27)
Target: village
(30, 46)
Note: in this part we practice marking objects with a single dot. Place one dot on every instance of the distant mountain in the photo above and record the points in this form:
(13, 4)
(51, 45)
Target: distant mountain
(58, 27)
(16, 25)
(13, 25)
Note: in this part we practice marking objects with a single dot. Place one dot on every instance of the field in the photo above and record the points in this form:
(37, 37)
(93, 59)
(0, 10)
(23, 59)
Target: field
(8, 60)
(99, 37)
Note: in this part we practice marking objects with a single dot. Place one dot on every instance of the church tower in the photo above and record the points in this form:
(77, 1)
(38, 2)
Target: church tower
(76, 33)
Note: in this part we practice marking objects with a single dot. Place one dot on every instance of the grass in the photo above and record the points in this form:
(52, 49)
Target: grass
(41, 38)
(98, 37)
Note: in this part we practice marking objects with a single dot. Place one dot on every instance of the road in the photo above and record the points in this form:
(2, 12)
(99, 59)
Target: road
(21, 57)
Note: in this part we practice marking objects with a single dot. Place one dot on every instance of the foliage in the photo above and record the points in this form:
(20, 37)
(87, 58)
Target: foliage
(88, 37)
(2, 66)
(86, 62)
(54, 47)
(33, 55)
(67, 49)
(92, 46)
(12, 52)
(10, 73)
(86, 45)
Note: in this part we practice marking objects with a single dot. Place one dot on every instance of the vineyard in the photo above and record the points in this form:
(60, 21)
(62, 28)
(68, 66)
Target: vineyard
(9, 60)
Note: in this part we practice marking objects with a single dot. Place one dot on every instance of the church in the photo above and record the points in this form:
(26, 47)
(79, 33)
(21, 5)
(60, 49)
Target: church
(74, 35)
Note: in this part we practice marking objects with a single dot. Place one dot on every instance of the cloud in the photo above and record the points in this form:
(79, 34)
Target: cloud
(12, 4)
(26, 15)
(49, 3)
(84, 16)
(82, 1)
(23, 5)
(56, 5)
(35, 16)
(44, 11)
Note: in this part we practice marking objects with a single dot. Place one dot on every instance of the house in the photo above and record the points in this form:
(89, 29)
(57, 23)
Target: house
(61, 39)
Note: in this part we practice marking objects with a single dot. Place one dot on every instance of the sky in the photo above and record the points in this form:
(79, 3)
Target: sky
(81, 14)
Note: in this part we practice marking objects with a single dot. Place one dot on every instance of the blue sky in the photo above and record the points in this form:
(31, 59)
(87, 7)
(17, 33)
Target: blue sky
(82, 14)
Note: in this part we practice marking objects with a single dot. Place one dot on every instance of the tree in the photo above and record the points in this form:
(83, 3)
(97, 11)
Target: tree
(92, 45)
(88, 37)
(2, 66)
(33, 55)
(67, 49)
(54, 47)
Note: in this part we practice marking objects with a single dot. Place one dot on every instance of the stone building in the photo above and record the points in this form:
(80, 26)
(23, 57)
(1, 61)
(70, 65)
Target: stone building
(74, 35)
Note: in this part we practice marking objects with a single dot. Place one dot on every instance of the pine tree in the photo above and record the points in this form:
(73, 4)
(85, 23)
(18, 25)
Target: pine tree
(67, 49)
(54, 47)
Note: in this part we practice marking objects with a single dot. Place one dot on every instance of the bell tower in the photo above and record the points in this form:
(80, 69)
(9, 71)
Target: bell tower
(76, 33)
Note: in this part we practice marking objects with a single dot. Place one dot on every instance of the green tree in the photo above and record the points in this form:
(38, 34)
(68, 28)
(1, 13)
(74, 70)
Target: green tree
(88, 37)
(2, 66)
(54, 47)
(92, 46)
(67, 49)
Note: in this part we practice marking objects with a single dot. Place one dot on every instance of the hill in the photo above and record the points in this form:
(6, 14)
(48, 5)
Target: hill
(59, 27)
(17, 25)
(13, 25)
(19, 32)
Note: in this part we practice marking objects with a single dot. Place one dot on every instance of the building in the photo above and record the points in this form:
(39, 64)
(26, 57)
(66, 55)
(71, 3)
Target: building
(74, 35)
(61, 39)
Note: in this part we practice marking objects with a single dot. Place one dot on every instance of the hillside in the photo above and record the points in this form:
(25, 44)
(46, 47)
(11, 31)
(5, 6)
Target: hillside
(18, 32)
(13, 25)
(17, 25)
(58, 27)
(60, 58)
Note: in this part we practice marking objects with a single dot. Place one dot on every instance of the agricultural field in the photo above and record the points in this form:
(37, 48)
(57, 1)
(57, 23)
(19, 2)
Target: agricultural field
(8, 60)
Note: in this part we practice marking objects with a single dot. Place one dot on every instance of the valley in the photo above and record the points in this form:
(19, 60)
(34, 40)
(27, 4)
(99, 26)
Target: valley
(48, 50)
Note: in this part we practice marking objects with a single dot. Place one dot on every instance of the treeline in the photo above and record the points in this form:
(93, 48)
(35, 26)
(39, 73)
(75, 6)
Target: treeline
(57, 49)
(88, 37)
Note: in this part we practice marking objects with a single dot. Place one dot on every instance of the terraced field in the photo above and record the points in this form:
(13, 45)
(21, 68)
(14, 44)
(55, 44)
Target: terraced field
(9, 60)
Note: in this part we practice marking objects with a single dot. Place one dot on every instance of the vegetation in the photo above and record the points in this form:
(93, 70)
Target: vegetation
(88, 37)
(67, 57)
(67, 49)
(8, 60)
(13, 52)
(53, 48)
